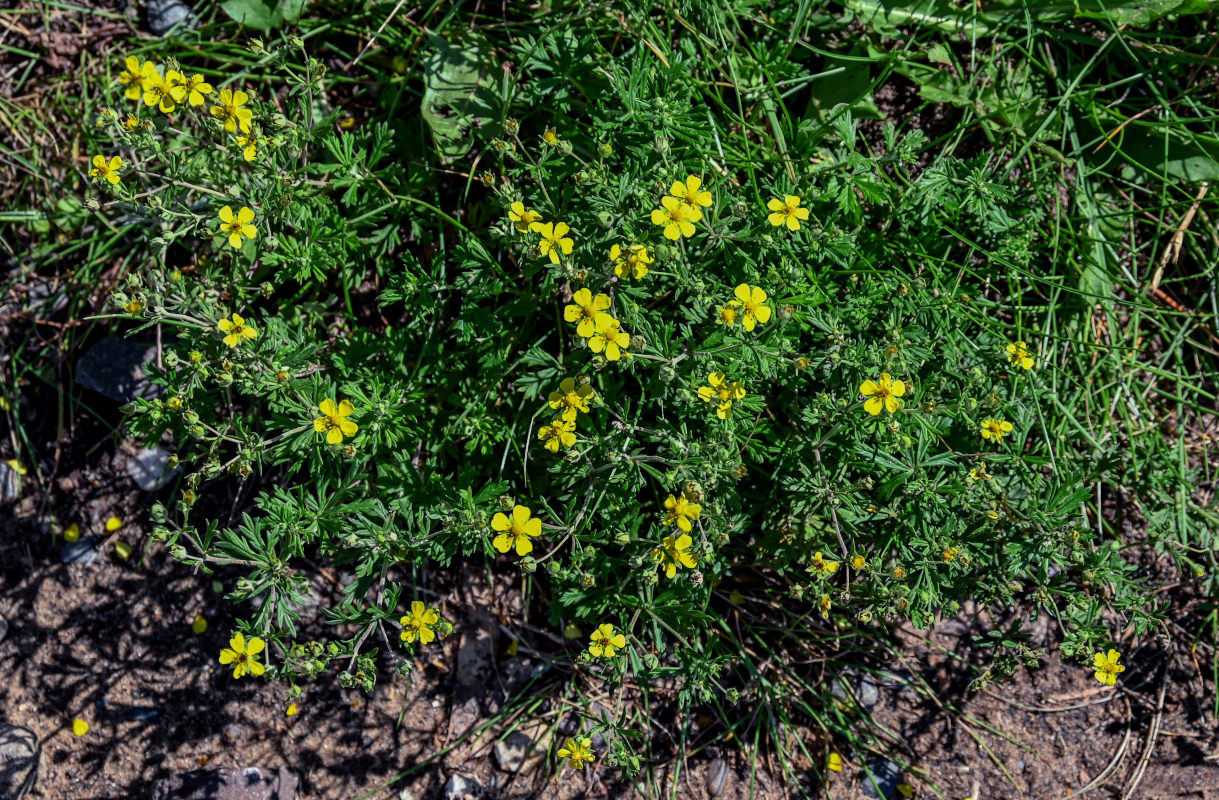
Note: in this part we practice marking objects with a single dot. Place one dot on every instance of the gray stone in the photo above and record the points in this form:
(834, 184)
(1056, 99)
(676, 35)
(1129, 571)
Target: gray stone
(717, 777)
(149, 467)
(523, 749)
(10, 483)
(78, 552)
(19, 754)
(114, 367)
(3, 628)
(227, 783)
(462, 787)
(164, 15)
(885, 776)
(406, 794)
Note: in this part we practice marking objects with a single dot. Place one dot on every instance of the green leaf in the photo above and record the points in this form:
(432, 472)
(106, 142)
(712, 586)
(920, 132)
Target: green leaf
(457, 94)
(261, 16)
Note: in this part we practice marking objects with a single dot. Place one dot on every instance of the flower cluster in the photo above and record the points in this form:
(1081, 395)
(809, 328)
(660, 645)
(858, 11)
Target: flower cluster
(570, 401)
(680, 210)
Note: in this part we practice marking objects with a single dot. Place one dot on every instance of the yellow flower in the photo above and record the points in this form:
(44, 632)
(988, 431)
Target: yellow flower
(674, 550)
(605, 642)
(630, 263)
(159, 91)
(199, 625)
(113, 524)
(243, 656)
(250, 146)
(238, 226)
(1019, 354)
(418, 624)
(825, 604)
(859, 562)
(681, 512)
(523, 218)
(882, 394)
(823, 567)
(334, 422)
(134, 307)
(553, 241)
(787, 212)
(516, 532)
(677, 218)
(550, 137)
(979, 473)
(236, 329)
(995, 429)
(578, 751)
(690, 192)
(195, 90)
(133, 77)
(1106, 667)
(107, 170)
(559, 433)
(584, 309)
(752, 300)
(571, 398)
(608, 337)
(80, 727)
(728, 315)
(230, 110)
(131, 123)
(721, 392)
(950, 554)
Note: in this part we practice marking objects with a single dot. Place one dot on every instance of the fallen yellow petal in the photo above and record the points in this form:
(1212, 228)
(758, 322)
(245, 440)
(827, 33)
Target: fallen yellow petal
(291, 712)
(123, 549)
(72, 533)
(200, 624)
(80, 727)
(113, 524)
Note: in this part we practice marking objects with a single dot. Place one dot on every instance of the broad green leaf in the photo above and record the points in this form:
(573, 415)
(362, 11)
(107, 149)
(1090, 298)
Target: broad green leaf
(457, 94)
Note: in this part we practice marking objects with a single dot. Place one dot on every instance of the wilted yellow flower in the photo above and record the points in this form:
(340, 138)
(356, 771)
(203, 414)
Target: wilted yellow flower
(199, 625)
(787, 212)
(721, 392)
(821, 566)
(578, 751)
(1106, 667)
(571, 398)
(632, 262)
(882, 394)
(72, 533)
(674, 550)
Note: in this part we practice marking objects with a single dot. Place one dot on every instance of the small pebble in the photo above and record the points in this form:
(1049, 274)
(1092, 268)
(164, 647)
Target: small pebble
(3, 628)
(717, 777)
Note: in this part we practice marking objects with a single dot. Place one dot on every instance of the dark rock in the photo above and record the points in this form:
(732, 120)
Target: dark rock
(78, 552)
(164, 15)
(884, 777)
(19, 754)
(114, 367)
(227, 783)
(3, 628)
(462, 787)
(10, 483)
